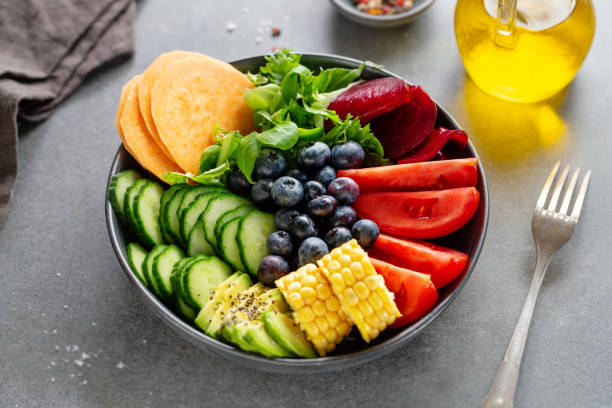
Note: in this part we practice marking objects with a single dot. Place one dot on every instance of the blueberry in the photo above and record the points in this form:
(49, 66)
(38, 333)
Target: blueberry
(311, 250)
(284, 217)
(313, 189)
(322, 206)
(344, 216)
(325, 175)
(303, 227)
(270, 164)
(298, 174)
(344, 189)
(348, 155)
(271, 268)
(337, 236)
(237, 183)
(365, 232)
(313, 156)
(279, 243)
(261, 193)
(287, 191)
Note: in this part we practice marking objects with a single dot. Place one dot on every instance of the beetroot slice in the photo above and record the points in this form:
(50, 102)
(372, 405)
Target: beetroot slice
(438, 139)
(406, 127)
(371, 98)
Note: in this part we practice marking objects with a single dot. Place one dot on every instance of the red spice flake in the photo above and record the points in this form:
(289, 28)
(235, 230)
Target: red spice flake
(275, 32)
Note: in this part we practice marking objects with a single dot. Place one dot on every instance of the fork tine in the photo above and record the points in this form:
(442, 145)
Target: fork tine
(552, 206)
(580, 196)
(568, 193)
(547, 184)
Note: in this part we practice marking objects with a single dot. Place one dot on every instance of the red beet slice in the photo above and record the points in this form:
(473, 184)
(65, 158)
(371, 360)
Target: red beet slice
(371, 98)
(406, 127)
(438, 139)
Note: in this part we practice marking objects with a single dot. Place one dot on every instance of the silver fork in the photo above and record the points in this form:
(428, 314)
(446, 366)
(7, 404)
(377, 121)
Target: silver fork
(551, 230)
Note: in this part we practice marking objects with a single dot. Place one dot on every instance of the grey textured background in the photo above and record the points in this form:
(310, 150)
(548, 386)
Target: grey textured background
(61, 287)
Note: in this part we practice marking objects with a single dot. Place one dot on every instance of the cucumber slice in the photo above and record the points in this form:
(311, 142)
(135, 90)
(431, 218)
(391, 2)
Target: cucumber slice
(116, 190)
(136, 255)
(192, 213)
(168, 194)
(147, 268)
(193, 193)
(146, 212)
(218, 206)
(162, 269)
(230, 215)
(253, 231)
(258, 338)
(286, 333)
(228, 245)
(174, 277)
(196, 243)
(202, 277)
(128, 204)
(186, 310)
(170, 217)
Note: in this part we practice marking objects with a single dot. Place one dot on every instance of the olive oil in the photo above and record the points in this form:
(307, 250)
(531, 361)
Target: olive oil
(550, 40)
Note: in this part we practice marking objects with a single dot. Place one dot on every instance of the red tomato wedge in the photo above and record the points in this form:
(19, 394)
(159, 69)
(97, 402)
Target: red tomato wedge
(408, 126)
(414, 292)
(443, 264)
(435, 175)
(421, 214)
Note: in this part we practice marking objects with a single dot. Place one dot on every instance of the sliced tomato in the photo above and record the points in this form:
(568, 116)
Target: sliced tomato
(421, 214)
(415, 294)
(443, 264)
(435, 175)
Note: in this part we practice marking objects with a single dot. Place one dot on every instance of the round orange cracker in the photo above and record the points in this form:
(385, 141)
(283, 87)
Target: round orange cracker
(190, 99)
(149, 77)
(139, 142)
(122, 99)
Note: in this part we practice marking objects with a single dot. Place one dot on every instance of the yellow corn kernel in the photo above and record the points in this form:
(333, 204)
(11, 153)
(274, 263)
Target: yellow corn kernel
(363, 296)
(315, 308)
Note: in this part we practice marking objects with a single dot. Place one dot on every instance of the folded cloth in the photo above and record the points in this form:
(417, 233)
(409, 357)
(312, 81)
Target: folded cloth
(47, 48)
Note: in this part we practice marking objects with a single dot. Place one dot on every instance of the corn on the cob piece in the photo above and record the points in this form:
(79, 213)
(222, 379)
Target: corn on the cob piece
(315, 308)
(362, 292)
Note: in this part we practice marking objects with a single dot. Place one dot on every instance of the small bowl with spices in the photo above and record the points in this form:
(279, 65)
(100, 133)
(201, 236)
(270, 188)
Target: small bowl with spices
(382, 13)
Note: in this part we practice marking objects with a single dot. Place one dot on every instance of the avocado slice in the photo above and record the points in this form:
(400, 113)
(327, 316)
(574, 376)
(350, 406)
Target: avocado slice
(261, 341)
(273, 300)
(207, 313)
(285, 332)
(236, 334)
(229, 299)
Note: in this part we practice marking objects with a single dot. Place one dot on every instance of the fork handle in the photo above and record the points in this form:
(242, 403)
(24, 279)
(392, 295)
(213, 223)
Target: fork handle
(501, 393)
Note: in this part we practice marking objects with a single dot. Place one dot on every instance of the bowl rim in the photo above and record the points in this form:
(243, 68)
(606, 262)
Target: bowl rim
(413, 11)
(294, 365)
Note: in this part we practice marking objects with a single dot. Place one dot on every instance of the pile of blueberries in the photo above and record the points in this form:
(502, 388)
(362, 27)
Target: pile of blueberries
(312, 206)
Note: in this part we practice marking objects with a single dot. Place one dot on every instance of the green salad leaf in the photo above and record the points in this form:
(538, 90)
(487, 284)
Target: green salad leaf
(246, 154)
(282, 137)
(332, 79)
(208, 160)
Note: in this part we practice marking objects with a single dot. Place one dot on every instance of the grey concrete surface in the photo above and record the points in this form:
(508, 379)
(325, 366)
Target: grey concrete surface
(74, 334)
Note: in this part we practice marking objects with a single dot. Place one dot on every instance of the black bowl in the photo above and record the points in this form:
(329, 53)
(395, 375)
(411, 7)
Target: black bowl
(352, 351)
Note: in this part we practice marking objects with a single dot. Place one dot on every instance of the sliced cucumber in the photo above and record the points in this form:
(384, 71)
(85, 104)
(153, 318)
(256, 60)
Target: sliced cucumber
(175, 277)
(253, 231)
(146, 212)
(228, 245)
(168, 194)
(258, 338)
(202, 277)
(136, 255)
(186, 310)
(147, 268)
(285, 332)
(196, 243)
(169, 216)
(162, 269)
(230, 215)
(128, 204)
(193, 193)
(116, 190)
(192, 213)
(218, 206)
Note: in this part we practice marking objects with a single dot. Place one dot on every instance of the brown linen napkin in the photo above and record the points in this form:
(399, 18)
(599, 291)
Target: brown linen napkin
(47, 48)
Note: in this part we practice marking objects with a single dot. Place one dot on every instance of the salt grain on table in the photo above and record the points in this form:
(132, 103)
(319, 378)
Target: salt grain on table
(120, 365)
(231, 26)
